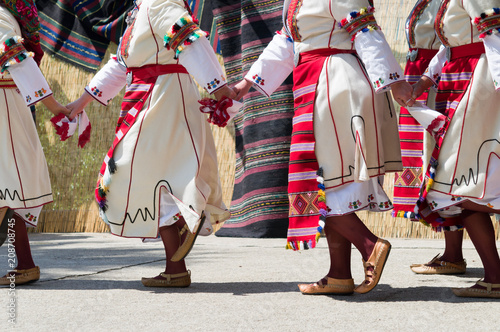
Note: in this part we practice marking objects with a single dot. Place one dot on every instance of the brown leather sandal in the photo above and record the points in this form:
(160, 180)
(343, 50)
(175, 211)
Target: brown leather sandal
(437, 266)
(21, 277)
(332, 286)
(486, 290)
(376, 261)
(169, 280)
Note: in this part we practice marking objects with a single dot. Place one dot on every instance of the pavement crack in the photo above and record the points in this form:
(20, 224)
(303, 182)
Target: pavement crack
(102, 271)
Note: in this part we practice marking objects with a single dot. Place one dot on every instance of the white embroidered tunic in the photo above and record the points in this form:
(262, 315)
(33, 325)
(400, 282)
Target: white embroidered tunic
(167, 162)
(24, 177)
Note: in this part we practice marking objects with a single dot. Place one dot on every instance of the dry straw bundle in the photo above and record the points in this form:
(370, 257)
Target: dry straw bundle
(73, 171)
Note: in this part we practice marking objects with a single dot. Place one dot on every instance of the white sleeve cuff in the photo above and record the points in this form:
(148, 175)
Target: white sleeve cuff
(30, 81)
(200, 61)
(108, 81)
(492, 49)
(380, 63)
(436, 65)
(273, 66)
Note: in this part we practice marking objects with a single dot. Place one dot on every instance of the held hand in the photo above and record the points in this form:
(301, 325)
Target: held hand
(54, 106)
(423, 84)
(225, 91)
(242, 88)
(78, 105)
(402, 93)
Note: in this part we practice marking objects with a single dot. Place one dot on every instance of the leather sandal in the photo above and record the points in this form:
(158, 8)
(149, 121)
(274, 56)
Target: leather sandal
(169, 280)
(21, 277)
(376, 261)
(188, 243)
(437, 266)
(485, 291)
(5, 215)
(333, 286)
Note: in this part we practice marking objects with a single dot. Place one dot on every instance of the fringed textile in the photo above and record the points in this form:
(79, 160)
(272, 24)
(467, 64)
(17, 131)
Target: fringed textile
(305, 178)
(488, 22)
(184, 32)
(12, 51)
(455, 80)
(362, 21)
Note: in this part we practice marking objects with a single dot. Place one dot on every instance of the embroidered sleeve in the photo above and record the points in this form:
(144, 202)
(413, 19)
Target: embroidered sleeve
(433, 71)
(492, 50)
(108, 81)
(12, 51)
(359, 21)
(488, 22)
(201, 62)
(182, 33)
(274, 64)
(381, 65)
(30, 81)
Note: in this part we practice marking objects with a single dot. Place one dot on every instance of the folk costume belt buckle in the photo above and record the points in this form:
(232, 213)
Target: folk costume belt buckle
(448, 53)
(296, 58)
(412, 55)
(129, 78)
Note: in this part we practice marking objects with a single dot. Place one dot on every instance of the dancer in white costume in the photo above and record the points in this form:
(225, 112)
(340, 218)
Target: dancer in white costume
(344, 135)
(462, 178)
(161, 174)
(24, 177)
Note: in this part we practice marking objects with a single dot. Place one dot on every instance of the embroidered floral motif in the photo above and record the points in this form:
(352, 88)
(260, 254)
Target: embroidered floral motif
(456, 198)
(490, 205)
(213, 84)
(362, 21)
(96, 91)
(177, 217)
(257, 79)
(385, 205)
(28, 99)
(433, 204)
(394, 76)
(291, 19)
(488, 22)
(184, 32)
(378, 83)
(40, 93)
(354, 205)
(30, 217)
(127, 36)
(370, 198)
(372, 205)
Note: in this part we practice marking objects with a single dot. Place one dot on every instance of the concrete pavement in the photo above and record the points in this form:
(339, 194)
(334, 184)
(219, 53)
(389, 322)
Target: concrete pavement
(91, 282)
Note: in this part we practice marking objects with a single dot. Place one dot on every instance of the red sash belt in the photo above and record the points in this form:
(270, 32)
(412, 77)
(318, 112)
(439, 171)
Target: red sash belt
(145, 72)
(319, 53)
(465, 50)
(422, 53)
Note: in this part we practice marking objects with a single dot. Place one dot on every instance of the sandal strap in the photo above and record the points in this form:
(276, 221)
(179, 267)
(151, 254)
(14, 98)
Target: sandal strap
(169, 277)
(487, 285)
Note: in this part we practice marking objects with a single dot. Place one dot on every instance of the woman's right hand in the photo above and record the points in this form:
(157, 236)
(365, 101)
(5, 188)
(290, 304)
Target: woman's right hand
(423, 84)
(242, 88)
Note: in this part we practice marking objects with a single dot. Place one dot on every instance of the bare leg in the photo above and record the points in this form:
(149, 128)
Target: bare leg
(453, 246)
(340, 254)
(480, 229)
(22, 245)
(170, 237)
(355, 231)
